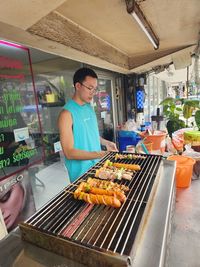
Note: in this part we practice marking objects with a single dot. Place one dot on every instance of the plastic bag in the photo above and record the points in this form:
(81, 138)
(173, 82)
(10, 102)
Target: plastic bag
(130, 125)
(178, 139)
(189, 152)
(170, 146)
(178, 142)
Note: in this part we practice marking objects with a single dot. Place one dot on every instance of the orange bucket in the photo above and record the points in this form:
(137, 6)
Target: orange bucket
(140, 149)
(184, 169)
(158, 141)
(148, 145)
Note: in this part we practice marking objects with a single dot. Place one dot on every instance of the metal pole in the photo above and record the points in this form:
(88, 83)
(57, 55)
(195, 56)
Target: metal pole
(187, 82)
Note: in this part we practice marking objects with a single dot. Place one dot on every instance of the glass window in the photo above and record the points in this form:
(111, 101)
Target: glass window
(19, 147)
(53, 89)
(102, 103)
(156, 92)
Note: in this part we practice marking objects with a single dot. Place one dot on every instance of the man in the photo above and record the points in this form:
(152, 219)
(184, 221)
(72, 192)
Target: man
(77, 122)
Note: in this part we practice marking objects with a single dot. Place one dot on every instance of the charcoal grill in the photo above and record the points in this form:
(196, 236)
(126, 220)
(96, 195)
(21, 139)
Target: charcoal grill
(136, 234)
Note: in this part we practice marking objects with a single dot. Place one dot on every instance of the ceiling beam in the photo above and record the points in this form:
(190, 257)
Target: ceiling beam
(63, 31)
(16, 35)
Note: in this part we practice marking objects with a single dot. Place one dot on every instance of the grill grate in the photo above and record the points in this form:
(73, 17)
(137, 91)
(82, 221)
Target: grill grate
(99, 226)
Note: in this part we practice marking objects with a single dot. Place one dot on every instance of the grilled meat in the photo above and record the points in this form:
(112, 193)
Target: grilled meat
(128, 156)
(97, 199)
(111, 173)
(85, 187)
(134, 167)
(108, 185)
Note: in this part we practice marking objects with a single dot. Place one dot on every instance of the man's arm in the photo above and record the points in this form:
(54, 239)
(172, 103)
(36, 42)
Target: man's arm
(110, 146)
(67, 140)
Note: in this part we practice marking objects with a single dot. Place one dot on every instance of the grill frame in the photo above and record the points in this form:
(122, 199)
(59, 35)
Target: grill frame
(77, 250)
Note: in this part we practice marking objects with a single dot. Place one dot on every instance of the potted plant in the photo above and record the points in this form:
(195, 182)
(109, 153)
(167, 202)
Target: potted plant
(172, 112)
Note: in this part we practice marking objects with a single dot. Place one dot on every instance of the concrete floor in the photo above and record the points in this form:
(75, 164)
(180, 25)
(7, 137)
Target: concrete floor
(185, 240)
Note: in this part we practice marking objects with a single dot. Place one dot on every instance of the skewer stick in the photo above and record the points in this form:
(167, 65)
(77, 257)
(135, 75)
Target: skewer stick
(70, 192)
(78, 181)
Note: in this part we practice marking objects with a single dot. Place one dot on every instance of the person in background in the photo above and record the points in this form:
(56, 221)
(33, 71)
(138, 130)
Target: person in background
(77, 122)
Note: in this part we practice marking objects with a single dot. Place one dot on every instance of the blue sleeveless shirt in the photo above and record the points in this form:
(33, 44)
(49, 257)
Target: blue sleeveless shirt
(86, 137)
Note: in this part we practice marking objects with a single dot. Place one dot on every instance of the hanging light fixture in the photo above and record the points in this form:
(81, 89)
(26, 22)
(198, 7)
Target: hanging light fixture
(134, 10)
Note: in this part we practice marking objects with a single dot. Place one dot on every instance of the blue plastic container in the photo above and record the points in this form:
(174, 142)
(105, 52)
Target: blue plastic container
(147, 123)
(126, 138)
(127, 134)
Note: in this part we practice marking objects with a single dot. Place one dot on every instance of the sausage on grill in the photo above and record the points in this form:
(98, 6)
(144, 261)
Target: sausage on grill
(133, 167)
(97, 199)
(84, 187)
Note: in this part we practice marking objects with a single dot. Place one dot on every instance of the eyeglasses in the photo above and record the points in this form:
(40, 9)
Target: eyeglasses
(92, 89)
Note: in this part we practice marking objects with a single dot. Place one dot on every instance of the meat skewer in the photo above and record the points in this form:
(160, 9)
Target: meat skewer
(97, 199)
(84, 187)
(112, 172)
(128, 156)
(109, 185)
(134, 167)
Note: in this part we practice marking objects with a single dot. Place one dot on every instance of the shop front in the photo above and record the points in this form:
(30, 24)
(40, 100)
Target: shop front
(34, 87)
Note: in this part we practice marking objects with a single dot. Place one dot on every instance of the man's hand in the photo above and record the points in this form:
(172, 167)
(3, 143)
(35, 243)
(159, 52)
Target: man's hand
(110, 146)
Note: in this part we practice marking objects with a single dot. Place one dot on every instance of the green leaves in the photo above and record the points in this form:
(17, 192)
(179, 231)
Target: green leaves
(174, 125)
(168, 101)
(173, 108)
(192, 103)
(170, 108)
(197, 119)
(189, 106)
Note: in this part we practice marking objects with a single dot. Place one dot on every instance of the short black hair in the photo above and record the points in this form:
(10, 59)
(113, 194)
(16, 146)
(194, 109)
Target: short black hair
(80, 75)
